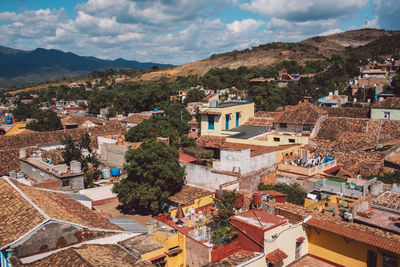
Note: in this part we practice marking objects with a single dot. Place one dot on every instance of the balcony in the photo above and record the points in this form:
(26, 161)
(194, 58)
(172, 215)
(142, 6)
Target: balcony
(306, 171)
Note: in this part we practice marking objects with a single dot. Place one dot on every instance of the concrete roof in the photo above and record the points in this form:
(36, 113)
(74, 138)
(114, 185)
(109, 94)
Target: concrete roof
(247, 131)
(128, 224)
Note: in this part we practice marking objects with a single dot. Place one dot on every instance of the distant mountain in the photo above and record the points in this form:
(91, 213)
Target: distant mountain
(18, 67)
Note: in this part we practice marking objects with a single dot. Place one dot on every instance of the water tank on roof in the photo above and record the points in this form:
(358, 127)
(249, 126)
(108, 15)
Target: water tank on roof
(13, 174)
(115, 171)
(76, 166)
(156, 110)
(257, 201)
(106, 173)
(376, 188)
(8, 121)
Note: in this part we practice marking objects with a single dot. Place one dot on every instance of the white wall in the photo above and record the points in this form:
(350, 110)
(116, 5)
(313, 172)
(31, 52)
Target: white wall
(240, 160)
(286, 241)
(103, 140)
(204, 177)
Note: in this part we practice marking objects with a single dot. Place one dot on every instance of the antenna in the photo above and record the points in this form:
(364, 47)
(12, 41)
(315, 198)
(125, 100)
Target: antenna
(366, 20)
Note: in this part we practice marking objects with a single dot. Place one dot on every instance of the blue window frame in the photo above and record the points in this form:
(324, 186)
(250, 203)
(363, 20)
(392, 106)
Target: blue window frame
(237, 118)
(227, 122)
(210, 122)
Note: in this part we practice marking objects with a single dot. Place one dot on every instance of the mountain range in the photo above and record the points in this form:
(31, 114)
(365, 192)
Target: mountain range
(19, 67)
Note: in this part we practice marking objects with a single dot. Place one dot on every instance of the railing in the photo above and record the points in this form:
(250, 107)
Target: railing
(305, 170)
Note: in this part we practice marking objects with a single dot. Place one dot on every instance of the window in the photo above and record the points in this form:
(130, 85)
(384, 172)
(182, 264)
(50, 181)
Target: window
(277, 139)
(237, 118)
(371, 258)
(210, 122)
(307, 127)
(298, 251)
(65, 183)
(160, 262)
(386, 115)
(227, 121)
(292, 140)
(389, 261)
(283, 125)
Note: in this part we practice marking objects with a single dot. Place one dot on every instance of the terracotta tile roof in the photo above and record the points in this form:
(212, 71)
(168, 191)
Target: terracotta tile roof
(209, 97)
(348, 112)
(17, 216)
(88, 255)
(53, 137)
(268, 114)
(255, 217)
(390, 102)
(300, 239)
(211, 141)
(276, 256)
(60, 206)
(49, 184)
(259, 121)
(357, 134)
(235, 259)
(188, 194)
(186, 158)
(362, 233)
(303, 113)
(137, 118)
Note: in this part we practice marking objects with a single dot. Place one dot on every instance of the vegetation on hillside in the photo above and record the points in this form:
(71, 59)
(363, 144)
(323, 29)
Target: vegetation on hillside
(295, 193)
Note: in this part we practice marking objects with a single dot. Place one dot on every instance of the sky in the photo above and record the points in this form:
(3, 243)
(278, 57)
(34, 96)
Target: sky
(181, 31)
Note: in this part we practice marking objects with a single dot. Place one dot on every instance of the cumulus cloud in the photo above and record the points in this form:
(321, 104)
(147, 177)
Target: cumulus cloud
(304, 10)
(175, 31)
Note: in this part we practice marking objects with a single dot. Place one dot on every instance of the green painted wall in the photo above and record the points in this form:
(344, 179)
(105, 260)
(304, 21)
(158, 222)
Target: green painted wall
(378, 114)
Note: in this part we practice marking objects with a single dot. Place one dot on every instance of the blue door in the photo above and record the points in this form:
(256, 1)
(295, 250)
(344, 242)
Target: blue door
(237, 118)
(210, 122)
(226, 122)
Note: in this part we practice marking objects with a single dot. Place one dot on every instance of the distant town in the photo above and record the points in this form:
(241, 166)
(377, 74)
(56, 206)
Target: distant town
(293, 164)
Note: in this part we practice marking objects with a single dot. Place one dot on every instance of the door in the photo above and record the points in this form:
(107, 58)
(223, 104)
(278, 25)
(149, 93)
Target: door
(298, 251)
(371, 258)
(237, 118)
(227, 122)
(210, 122)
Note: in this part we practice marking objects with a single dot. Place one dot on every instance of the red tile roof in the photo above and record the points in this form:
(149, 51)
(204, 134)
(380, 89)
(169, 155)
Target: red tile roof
(211, 141)
(390, 102)
(137, 118)
(20, 216)
(186, 158)
(259, 121)
(303, 113)
(300, 239)
(276, 256)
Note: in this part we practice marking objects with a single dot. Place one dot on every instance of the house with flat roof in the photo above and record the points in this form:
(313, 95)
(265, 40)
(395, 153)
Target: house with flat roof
(216, 118)
(387, 109)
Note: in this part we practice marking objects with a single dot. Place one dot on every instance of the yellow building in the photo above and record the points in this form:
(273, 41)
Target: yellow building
(217, 118)
(18, 128)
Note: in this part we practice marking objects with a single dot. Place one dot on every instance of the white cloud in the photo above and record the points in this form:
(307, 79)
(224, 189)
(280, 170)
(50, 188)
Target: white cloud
(304, 10)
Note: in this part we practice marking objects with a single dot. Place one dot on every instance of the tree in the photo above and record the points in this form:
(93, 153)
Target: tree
(71, 150)
(295, 193)
(220, 227)
(154, 174)
(45, 121)
(25, 111)
(195, 95)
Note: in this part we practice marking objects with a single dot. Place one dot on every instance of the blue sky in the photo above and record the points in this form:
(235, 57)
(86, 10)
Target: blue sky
(181, 31)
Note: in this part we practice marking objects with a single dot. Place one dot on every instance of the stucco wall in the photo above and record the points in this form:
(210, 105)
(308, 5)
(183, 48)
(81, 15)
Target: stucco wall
(378, 114)
(204, 177)
(75, 183)
(47, 238)
(246, 111)
(113, 155)
(231, 160)
(196, 254)
(286, 241)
